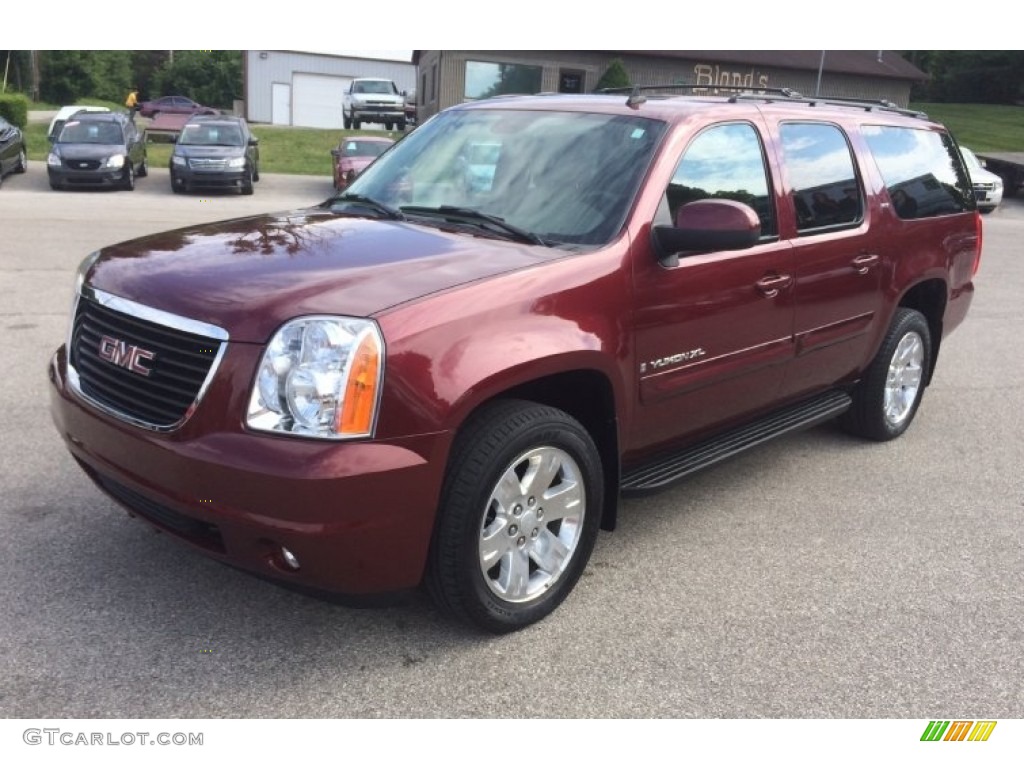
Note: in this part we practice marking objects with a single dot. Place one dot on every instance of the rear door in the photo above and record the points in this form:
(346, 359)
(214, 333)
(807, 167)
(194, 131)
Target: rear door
(837, 262)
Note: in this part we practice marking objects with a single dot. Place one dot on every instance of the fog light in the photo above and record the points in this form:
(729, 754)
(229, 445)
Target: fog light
(289, 559)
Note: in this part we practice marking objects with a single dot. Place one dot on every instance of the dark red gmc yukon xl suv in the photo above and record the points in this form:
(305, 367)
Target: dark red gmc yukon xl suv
(448, 374)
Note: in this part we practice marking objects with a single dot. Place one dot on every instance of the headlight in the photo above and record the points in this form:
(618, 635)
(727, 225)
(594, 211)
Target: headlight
(236, 162)
(53, 159)
(997, 185)
(115, 161)
(319, 377)
(178, 160)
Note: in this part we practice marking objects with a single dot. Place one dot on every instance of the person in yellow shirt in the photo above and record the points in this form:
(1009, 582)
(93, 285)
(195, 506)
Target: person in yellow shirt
(132, 102)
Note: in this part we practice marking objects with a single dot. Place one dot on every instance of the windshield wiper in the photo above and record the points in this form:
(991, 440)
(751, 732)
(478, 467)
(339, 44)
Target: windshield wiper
(377, 205)
(473, 216)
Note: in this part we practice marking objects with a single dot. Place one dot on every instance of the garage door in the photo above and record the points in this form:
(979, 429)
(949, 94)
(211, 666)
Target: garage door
(316, 100)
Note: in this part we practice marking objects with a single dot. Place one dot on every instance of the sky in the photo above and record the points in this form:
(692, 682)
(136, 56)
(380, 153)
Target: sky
(524, 24)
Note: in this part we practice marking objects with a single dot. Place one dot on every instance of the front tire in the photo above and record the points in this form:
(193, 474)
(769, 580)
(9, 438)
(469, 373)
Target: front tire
(520, 511)
(22, 164)
(129, 177)
(247, 188)
(886, 400)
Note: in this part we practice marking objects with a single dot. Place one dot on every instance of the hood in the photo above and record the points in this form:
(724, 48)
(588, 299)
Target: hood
(354, 163)
(250, 275)
(379, 98)
(89, 151)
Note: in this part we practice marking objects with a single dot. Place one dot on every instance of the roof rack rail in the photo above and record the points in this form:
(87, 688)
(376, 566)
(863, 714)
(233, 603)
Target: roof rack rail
(867, 105)
(635, 90)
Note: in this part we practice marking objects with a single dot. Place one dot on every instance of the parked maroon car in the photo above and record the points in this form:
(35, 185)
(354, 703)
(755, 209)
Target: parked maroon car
(174, 105)
(353, 155)
(447, 374)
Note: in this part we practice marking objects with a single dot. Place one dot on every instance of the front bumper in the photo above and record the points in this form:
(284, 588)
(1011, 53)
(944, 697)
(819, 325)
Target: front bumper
(233, 179)
(358, 516)
(97, 178)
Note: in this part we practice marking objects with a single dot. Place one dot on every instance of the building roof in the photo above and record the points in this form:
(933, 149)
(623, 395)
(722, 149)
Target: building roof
(869, 63)
(885, 64)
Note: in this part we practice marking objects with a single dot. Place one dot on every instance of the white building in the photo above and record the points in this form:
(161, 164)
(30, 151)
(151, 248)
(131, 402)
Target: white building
(304, 88)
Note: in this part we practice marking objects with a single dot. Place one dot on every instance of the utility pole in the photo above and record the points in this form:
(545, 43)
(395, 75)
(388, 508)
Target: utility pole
(33, 64)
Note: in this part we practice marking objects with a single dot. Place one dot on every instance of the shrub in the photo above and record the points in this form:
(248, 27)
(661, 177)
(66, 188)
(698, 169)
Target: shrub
(615, 76)
(14, 109)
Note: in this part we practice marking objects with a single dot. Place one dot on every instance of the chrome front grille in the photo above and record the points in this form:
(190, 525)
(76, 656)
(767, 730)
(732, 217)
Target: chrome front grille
(208, 163)
(143, 365)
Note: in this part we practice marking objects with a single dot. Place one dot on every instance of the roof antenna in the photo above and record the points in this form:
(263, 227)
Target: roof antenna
(636, 98)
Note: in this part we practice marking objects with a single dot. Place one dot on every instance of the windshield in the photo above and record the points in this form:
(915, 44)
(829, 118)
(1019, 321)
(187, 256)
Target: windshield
(79, 132)
(566, 177)
(972, 160)
(211, 135)
(355, 148)
(374, 86)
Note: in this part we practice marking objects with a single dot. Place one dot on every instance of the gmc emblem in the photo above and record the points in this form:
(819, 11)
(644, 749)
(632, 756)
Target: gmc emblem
(125, 355)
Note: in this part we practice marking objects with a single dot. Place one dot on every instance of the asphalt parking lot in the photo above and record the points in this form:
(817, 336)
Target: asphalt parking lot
(815, 577)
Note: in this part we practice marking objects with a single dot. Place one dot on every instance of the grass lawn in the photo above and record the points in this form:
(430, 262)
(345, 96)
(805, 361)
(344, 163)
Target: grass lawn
(982, 127)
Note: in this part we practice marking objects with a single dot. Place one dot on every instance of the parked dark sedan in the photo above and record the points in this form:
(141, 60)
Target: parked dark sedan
(13, 158)
(102, 149)
(215, 152)
(174, 105)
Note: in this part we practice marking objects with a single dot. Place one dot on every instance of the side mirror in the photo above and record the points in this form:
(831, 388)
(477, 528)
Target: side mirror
(704, 226)
(254, 140)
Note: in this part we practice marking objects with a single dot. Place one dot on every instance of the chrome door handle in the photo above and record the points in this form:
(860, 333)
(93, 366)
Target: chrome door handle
(771, 285)
(864, 262)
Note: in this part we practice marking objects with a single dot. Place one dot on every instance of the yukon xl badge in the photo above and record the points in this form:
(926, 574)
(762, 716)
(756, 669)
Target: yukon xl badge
(125, 355)
(680, 357)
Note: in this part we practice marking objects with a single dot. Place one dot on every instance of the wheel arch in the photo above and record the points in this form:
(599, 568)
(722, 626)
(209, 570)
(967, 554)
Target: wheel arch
(929, 297)
(588, 396)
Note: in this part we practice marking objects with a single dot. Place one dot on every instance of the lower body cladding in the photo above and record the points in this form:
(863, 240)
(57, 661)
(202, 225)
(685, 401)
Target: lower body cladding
(346, 518)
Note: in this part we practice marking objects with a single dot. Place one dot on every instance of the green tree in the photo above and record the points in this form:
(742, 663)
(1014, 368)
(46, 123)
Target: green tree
(615, 76)
(66, 76)
(213, 78)
(990, 77)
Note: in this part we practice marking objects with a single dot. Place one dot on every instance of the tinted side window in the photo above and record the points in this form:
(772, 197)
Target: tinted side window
(822, 177)
(922, 171)
(725, 161)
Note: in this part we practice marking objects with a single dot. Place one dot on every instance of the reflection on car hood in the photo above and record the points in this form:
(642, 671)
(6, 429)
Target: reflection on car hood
(250, 275)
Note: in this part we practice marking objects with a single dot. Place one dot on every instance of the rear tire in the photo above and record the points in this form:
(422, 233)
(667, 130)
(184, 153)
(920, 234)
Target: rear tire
(143, 168)
(887, 398)
(22, 164)
(519, 515)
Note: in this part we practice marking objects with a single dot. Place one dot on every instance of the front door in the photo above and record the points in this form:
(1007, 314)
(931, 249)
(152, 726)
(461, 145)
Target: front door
(713, 332)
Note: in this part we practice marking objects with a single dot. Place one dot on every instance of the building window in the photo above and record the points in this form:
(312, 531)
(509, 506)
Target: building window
(433, 83)
(488, 78)
(570, 81)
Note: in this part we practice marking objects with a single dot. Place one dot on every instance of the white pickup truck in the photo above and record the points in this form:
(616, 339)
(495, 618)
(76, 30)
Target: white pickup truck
(373, 100)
